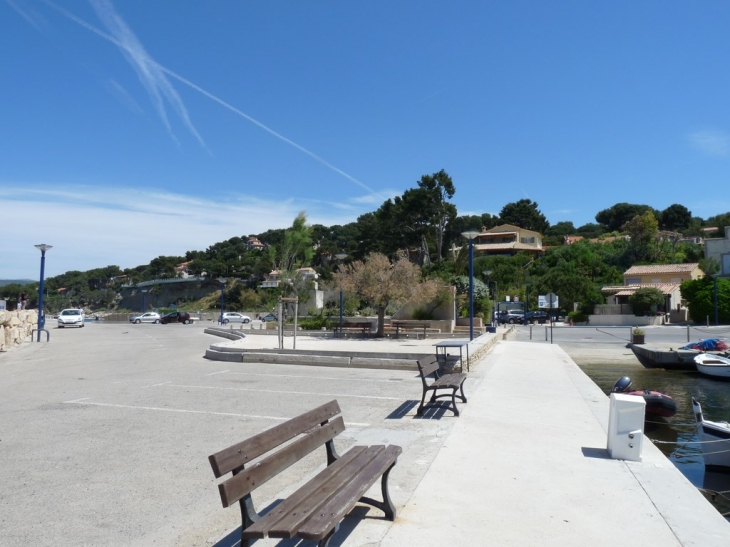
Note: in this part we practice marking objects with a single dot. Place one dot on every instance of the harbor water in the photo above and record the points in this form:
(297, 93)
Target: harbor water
(676, 437)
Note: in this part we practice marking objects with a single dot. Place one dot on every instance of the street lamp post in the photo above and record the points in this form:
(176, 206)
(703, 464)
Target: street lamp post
(470, 236)
(527, 297)
(714, 277)
(41, 315)
(341, 257)
(222, 281)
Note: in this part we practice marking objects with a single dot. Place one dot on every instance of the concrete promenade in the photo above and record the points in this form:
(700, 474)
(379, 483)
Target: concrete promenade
(105, 433)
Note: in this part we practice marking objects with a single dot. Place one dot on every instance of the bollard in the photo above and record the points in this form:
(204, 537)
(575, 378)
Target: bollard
(626, 427)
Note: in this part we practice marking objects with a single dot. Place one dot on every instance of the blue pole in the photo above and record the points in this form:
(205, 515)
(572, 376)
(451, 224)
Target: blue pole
(41, 314)
(471, 289)
(716, 315)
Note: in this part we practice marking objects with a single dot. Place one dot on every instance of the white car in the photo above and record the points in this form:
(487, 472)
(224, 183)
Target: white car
(71, 318)
(147, 317)
(235, 317)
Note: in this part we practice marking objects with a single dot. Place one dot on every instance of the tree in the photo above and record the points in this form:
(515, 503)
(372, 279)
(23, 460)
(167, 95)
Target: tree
(378, 283)
(615, 217)
(700, 295)
(642, 229)
(676, 217)
(295, 251)
(590, 230)
(436, 189)
(719, 222)
(644, 299)
(525, 214)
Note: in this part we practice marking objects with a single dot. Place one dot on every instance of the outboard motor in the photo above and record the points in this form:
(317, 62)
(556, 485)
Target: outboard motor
(622, 385)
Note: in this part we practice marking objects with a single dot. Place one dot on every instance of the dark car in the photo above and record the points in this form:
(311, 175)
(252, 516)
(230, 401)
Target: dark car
(536, 317)
(269, 317)
(176, 317)
(511, 316)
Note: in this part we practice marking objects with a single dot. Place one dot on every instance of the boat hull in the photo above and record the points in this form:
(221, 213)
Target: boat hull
(715, 438)
(652, 357)
(715, 366)
(657, 403)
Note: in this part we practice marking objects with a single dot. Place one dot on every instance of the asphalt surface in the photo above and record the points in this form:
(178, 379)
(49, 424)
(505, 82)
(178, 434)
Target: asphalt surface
(106, 430)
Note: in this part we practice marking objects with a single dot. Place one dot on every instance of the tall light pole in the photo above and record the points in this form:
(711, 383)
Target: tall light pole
(222, 281)
(341, 257)
(714, 277)
(41, 315)
(470, 236)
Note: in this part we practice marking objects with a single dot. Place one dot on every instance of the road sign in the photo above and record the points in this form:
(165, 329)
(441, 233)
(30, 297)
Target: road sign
(549, 300)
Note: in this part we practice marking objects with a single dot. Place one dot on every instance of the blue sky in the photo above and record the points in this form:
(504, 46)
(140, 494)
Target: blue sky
(135, 128)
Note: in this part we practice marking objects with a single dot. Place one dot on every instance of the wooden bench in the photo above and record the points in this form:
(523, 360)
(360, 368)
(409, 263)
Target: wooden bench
(313, 512)
(409, 325)
(453, 382)
(365, 328)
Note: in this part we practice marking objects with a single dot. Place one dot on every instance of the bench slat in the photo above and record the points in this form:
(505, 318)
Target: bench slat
(344, 500)
(291, 523)
(244, 452)
(246, 481)
(450, 380)
(428, 366)
(259, 529)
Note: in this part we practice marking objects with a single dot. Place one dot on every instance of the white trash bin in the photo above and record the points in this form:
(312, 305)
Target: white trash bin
(626, 427)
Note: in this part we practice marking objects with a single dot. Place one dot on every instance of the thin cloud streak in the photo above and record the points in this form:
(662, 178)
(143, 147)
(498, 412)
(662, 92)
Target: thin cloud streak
(212, 97)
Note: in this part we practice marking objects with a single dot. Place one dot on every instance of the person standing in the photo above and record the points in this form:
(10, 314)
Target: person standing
(23, 298)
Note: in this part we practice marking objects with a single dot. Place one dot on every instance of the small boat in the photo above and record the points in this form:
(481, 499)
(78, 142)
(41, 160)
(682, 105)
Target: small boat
(715, 437)
(716, 366)
(657, 403)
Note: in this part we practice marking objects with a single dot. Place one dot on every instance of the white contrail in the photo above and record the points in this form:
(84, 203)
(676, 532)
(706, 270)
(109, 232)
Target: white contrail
(149, 62)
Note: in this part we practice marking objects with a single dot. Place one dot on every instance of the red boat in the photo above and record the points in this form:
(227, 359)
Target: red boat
(657, 403)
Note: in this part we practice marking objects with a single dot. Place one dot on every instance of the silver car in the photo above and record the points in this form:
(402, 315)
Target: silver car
(71, 318)
(147, 317)
(235, 317)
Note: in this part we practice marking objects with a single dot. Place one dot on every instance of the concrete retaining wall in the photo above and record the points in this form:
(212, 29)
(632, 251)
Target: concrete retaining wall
(16, 327)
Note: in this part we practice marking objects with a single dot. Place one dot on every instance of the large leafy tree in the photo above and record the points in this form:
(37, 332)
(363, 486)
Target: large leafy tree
(378, 283)
(525, 214)
(700, 294)
(719, 222)
(613, 218)
(436, 190)
(643, 299)
(676, 217)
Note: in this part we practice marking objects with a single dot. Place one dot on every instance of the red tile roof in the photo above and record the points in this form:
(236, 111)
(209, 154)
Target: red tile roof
(662, 268)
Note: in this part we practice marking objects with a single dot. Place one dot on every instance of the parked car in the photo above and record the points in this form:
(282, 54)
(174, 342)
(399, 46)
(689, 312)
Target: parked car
(71, 318)
(235, 317)
(511, 317)
(176, 317)
(536, 316)
(148, 317)
(270, 317)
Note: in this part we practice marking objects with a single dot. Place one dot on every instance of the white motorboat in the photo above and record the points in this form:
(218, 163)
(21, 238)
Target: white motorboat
(713, 365)
(715, 438)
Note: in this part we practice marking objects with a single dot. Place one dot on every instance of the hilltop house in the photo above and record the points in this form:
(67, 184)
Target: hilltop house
(507, 239)
(665, 277)
(273, 279)
(719, 250)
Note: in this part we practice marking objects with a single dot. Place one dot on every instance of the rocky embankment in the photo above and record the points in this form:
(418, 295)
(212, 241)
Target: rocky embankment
(16, 327)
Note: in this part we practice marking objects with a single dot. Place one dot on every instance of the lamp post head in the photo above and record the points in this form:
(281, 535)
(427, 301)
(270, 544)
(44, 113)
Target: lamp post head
(341, 256)
(43, 247)
(487, 272)
(470, 234)
(222, 280)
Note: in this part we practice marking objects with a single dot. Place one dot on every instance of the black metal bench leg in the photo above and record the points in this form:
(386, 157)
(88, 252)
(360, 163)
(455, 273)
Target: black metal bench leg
(453, 402)
(463, 397)
(419, 412)
(386, 506)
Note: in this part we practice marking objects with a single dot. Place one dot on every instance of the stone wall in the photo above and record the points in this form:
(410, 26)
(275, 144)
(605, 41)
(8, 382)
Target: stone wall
(16, 327)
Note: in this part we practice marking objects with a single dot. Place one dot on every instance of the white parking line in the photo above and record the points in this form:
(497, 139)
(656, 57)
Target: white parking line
(221, 372)
(312, 377)
(288, 392)
(155, 385)
(84, 402)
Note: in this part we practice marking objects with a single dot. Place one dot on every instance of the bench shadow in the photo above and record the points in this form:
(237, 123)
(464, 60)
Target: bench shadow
(600, 453)
(404, 408)
(435, 411)
(351, 521)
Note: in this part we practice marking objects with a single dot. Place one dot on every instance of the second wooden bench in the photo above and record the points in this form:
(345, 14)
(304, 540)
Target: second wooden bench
(451, 382)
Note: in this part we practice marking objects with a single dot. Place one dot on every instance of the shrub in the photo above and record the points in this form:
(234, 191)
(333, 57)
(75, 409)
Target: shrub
(422, 314)
(314, 322)
(577, 317)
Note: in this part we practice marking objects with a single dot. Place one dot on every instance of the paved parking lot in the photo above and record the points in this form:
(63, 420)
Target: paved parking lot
(105, 433)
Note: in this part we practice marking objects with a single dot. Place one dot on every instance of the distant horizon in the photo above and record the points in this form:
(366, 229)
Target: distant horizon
(136, 129)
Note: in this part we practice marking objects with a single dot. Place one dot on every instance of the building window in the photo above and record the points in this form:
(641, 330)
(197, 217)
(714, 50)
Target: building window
(633, 281)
